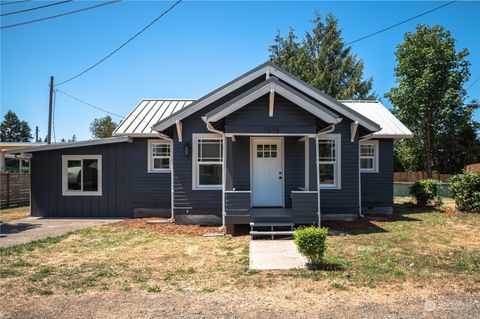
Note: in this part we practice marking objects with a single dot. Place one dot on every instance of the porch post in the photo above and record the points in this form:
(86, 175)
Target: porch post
(229, 165)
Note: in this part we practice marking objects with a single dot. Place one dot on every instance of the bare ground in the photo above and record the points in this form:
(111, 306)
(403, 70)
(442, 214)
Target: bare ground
(362, 303)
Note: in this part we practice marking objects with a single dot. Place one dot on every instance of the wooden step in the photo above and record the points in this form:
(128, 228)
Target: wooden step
(271, 233)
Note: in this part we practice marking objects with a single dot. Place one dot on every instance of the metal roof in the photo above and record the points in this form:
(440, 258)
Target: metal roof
(377, 112)
(147, 113)
(56, 146)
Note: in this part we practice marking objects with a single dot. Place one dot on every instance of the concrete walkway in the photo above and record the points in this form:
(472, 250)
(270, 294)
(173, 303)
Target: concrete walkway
(275, 254)
(25, 230)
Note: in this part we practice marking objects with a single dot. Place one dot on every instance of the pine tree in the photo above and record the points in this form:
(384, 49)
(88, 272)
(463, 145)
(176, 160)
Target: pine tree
(14, 130)
(322, 60)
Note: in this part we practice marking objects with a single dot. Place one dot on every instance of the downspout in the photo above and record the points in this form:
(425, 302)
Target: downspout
(214, 130)
(168, 138)
(364, 138)
(326, 131)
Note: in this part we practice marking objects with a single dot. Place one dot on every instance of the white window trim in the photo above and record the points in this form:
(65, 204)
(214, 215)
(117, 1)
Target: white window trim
(150, 168)
(337, 170)
(65, 159)
(195, 138)
(375, 168)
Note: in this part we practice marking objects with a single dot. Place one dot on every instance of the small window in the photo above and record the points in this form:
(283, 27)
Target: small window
(369, 156)
(267, 150)
(207, 162)
(329, 161)
(81, 175)
(159, 156)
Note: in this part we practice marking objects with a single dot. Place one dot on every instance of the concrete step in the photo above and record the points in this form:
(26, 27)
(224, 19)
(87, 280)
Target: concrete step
(269, 224)
(271, 233)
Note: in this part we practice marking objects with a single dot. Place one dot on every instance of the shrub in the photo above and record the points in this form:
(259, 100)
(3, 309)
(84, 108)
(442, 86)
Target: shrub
(466, 191)
(425, 192)
(311, 242)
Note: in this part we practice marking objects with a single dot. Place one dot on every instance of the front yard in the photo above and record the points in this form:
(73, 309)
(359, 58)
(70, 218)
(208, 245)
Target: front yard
(414, 254)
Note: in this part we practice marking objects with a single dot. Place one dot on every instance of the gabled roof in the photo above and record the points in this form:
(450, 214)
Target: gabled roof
(277, 87)
(376, 111)
(255, 73)
(56, 146)
(147, 113)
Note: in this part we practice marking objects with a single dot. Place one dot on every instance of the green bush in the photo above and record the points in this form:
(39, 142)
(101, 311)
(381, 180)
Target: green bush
(425, 192)
(466, 191)
(311, 242)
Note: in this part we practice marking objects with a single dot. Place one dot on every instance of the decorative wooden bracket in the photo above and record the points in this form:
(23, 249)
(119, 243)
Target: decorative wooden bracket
(271, 103)
(178, 124)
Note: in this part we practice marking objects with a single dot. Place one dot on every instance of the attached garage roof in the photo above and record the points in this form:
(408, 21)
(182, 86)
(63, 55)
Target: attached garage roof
(146, 114)
(377, 112)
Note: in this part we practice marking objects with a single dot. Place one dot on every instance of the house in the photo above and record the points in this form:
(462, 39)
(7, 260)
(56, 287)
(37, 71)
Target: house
(262, 147)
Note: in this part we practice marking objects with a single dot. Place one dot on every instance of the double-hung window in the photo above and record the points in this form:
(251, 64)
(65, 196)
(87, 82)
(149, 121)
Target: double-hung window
(207, 162)
(159, 156)
(329, 161)
(369, 156)
(82, 175)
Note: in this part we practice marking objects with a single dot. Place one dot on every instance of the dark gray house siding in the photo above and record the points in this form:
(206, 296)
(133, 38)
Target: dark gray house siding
(377, 188)
(125, 183)
(294, 157)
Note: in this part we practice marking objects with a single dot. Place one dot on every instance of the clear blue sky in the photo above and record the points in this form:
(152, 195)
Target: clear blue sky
(194, 49)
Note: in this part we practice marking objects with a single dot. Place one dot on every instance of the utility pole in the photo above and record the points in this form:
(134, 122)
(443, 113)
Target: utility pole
(36, 134)
(49, 136)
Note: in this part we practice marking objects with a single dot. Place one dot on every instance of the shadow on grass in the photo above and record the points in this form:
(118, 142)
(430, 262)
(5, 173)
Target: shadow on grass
(325, 266)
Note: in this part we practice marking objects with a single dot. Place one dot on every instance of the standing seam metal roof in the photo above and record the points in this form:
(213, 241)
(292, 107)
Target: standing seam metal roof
(147, 113)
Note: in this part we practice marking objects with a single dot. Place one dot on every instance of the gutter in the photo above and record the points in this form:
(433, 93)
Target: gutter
(326, 131)
(214, 130)
(363, 138)
(168, 138)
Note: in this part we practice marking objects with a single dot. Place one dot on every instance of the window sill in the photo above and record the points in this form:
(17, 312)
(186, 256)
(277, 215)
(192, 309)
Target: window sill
(207, 188)
(81, 193)
(330, 187)
(159, 171)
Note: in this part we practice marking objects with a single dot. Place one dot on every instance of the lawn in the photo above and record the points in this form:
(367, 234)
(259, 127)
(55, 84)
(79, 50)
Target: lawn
(414, 249)
(8, 214)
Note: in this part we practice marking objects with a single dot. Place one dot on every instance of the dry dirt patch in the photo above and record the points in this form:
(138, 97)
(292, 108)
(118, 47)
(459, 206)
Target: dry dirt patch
(168, 229)
(8, 214)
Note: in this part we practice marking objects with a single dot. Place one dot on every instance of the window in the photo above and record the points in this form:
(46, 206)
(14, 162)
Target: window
(207, 161)
(82, 175)
(267, 150)
(159, 156)
(369, 156)
(329, 161)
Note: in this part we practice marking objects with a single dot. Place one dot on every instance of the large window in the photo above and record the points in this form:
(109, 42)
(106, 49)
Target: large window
(369, 156)
(207, 162)
(82, 175)
(159, 156)
(329, 161)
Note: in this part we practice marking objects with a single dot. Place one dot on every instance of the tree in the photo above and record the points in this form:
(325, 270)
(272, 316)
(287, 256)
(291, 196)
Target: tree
(430, 100)
(14, 130)
(102, 127)
(322, 60)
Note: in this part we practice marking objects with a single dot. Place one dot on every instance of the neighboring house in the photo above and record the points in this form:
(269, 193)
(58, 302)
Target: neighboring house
(15, 163)
(259, 147)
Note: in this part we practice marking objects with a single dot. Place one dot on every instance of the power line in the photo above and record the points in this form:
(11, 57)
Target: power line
(60, 14)
(13, 2)
(124, 44)
(473, 83)
(53, 116)
(35, 8)
(399, 23)
(88, 104)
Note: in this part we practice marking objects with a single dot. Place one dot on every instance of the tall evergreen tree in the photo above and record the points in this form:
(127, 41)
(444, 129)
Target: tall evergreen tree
(430, 100)
(322, 60)
(14, 130)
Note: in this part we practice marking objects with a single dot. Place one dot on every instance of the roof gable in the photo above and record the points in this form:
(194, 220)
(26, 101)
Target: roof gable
(255, 73)
(272, 84)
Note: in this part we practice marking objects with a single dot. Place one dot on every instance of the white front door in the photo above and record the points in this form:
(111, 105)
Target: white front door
(267, 172)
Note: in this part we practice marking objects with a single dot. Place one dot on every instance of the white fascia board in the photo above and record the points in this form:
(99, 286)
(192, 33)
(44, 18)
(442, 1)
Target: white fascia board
(394, 137)
(56, 146)
(306, 105)
(309, 91)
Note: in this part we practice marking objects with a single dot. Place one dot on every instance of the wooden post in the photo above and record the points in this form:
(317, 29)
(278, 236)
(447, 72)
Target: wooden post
(49, 136)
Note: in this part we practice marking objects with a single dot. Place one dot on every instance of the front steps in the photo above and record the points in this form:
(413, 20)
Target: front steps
(272, 229)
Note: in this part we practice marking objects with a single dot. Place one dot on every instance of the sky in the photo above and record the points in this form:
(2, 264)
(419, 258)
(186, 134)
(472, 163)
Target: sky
(191, 51)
